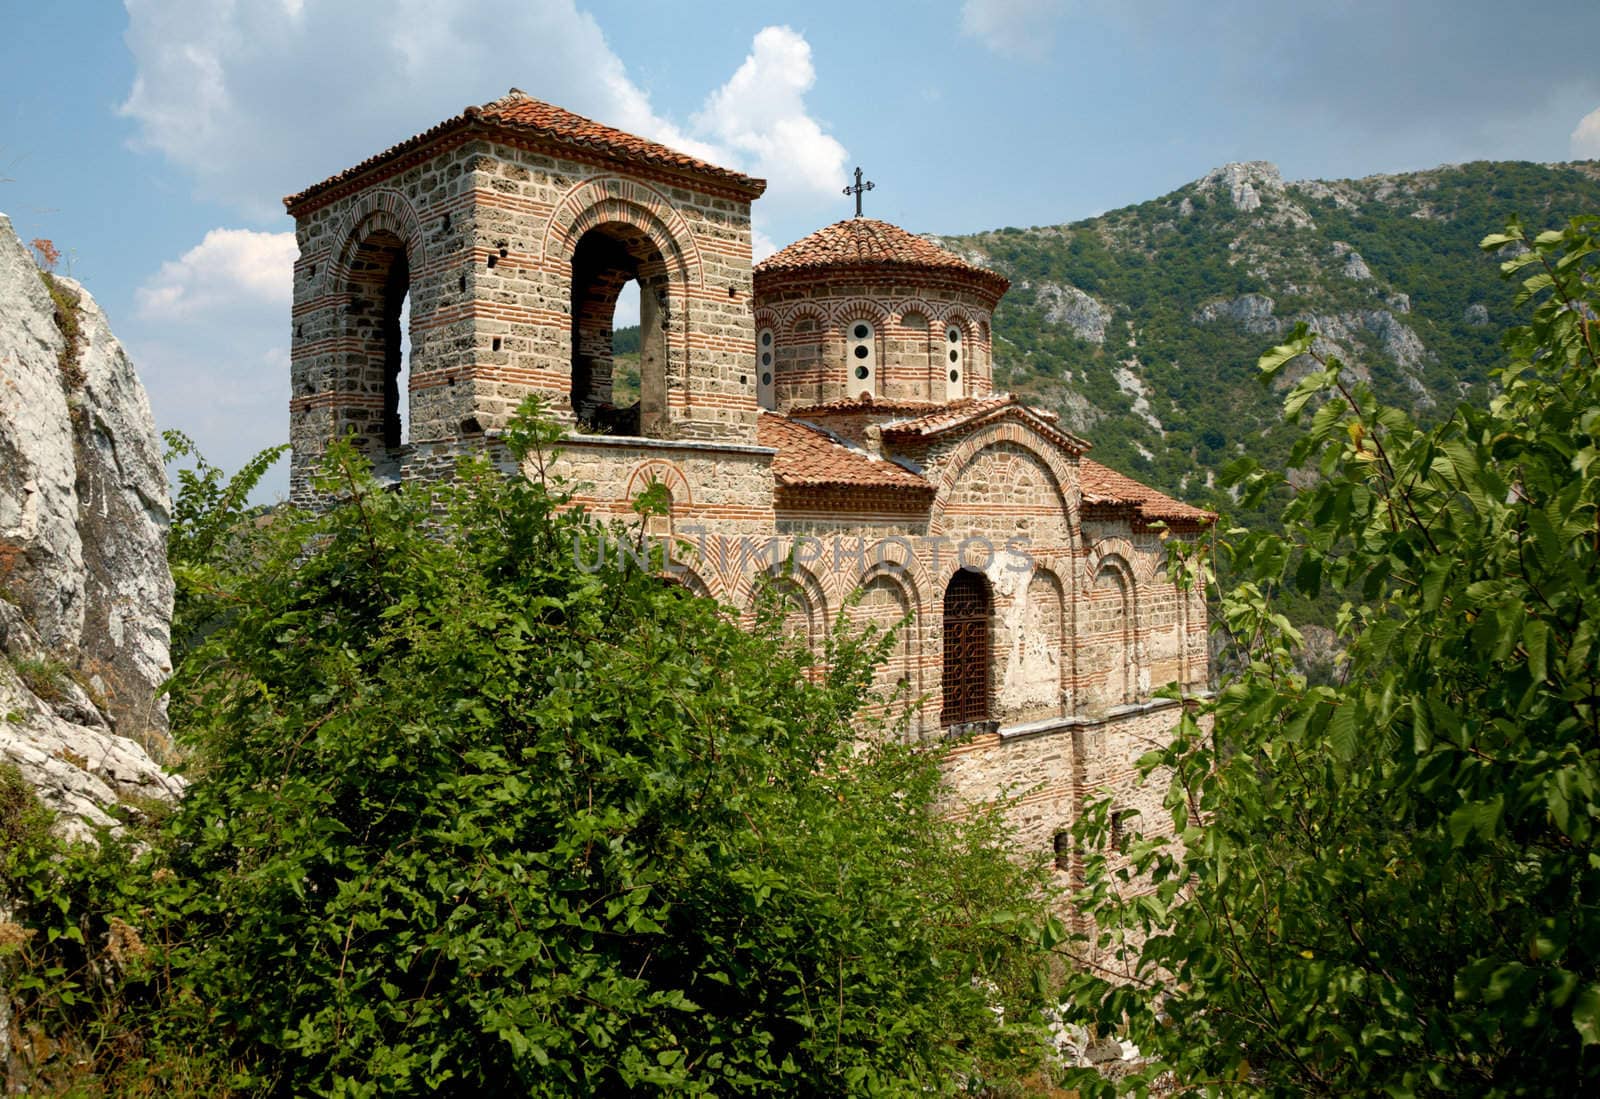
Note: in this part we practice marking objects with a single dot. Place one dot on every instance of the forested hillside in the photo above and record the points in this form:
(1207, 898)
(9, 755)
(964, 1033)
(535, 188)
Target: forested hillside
(1142, 326)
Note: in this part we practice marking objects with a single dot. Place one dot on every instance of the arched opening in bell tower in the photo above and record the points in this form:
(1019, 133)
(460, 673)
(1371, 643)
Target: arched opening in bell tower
(607, 258)
(377, 318)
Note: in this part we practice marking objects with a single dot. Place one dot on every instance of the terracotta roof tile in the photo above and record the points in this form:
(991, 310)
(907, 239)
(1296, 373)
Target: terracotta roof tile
(519, 113)
(1102, 485)
(808, 457)
(868, 242)
(866, 402)
(971, 411)
(523, 111)
(945, 416)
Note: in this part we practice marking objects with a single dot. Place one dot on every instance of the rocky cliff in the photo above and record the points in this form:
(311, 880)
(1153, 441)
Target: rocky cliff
(85, 594)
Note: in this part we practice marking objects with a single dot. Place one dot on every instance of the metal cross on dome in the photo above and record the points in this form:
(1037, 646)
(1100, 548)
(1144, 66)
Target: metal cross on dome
(858, 189)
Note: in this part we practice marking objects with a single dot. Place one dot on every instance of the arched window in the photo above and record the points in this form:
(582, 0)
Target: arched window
(379, 287)
(766, 368)
(955, 363)
(861, 359)
(606, 259)
(968, 608)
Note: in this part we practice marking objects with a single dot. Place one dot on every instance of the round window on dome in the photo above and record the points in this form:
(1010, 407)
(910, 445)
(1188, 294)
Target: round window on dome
(955, 356)
(862, 351)
(862, 332)
(954, 334)
(955, 375)
(862, 372)
(766, 339)
(766, 358)
(766, 378)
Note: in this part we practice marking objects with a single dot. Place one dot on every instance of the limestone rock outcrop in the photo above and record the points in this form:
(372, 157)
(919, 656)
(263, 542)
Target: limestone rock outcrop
(1069, 306)
(1244, 182)
(85, 593)
(1253, 312)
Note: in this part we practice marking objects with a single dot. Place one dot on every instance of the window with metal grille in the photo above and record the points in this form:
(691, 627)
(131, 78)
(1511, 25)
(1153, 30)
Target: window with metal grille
(967, 610)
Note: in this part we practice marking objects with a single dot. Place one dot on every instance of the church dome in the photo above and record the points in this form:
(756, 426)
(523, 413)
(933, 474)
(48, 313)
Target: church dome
(870, 243)
(863, 309)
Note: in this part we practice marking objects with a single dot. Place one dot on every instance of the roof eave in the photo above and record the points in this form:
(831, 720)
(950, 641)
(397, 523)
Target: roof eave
(899, 498)
(473, 121)
(363, 171)
(992, 282)
(1074, 445)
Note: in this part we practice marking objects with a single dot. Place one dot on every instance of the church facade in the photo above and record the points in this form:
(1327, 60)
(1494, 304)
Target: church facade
(824, 422)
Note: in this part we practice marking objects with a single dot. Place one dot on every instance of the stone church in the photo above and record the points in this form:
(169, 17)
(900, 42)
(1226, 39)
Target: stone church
(825, 421)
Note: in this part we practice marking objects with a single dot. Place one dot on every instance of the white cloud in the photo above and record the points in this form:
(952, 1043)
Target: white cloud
(761, 245)
(1585, 141)
(761, 114)
(227, 269)
(1014, 28)
(210, 337)
(258, 100)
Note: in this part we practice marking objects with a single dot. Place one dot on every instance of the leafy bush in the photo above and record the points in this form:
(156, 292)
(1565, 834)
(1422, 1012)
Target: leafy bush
(1390, 884)
(214, 535)
(474, 820)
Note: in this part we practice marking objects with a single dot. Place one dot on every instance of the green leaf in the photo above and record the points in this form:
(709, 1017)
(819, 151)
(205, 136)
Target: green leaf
(1479, 818)
(1299, 343)
(1536, 638)
(1342, 731)
(1586, 1014)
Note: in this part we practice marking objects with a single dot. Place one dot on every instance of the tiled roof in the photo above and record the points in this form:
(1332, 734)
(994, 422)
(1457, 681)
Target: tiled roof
(810, 458)
(970, 411)
(519, 113)
(868, 242)
(865, 402)
(948, 415)
(1108, 487)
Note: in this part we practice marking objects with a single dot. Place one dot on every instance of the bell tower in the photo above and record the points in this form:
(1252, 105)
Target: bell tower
(499, 241)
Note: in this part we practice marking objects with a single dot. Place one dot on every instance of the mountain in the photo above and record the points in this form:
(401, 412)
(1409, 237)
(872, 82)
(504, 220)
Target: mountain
(1142, 326)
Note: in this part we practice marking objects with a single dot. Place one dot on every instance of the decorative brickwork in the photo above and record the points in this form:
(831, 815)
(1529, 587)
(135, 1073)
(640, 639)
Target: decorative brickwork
(1026, 581)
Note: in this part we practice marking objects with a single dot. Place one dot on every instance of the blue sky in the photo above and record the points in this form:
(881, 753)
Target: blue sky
(152, 140)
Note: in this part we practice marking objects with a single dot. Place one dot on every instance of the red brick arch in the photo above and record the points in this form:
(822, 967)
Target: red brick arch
(923, 308)
(659, 469)
(610, 200)
(1117, 552)
(911, 580)
(372, 212)
(860, 309)
(692, 579)
(1021, 436)
(816, 591)
(804, 311)
(1116, 556)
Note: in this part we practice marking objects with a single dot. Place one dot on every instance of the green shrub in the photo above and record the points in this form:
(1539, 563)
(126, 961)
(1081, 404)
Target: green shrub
(1396, 888)
(473, 820)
